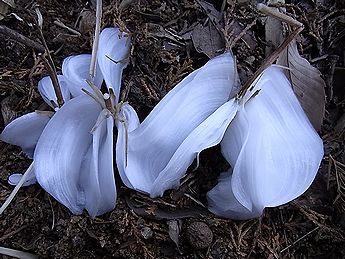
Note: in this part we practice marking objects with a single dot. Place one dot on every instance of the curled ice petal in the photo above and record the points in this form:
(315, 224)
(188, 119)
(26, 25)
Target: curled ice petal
(75, 70)
(208, 134)
(97, 177)
(112, 57)
(46, 89)
(170, 132)
(273, 149)
(62, 148)
(222, 202)
(26, 130)
(14, 179)
(127, 122)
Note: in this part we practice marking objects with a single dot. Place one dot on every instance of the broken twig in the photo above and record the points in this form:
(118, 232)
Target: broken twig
(69, 29)
(273, 57)
(49, 61)
(96, 39)
(20, 38)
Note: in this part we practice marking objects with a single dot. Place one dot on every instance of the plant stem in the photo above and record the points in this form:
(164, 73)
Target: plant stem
(270, 59)
(55, 81)
(278, 15)
(92, 71)
(49, 61)
(20, 38)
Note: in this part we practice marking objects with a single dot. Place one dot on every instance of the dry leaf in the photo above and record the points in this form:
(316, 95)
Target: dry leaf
(213, 14)
(207, 39)
(307, 84)
(174, 231)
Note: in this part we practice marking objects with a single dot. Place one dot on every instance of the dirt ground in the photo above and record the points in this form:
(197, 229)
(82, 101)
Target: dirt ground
(170, 39)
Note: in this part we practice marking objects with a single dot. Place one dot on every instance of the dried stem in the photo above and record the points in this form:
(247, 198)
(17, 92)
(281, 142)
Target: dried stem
(300, 239)
(55, 81)
(21, 38)
(96, 39)
(270, 59)
(278, 15)
(49, 61)
(57, 22)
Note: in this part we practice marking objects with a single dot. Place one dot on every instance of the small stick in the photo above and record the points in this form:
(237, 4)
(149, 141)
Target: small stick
(62, 25)
(16, 189)
(278, 15)
(49, 64)
(21, 38)
(269, 60)
(55, 81)
(299, 239)
(92, 71)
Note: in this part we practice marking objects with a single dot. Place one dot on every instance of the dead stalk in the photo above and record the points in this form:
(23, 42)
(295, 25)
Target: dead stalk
(57, 22)
(278, 15)
(96, 39)
(49, 61)
(55, 81)
(20, 38)
(272, 58)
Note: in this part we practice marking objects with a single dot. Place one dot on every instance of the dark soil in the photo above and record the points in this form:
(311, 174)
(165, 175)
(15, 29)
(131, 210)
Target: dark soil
(163, 52)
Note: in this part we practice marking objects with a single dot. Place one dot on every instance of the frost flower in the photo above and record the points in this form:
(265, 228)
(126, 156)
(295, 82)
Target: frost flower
(193, 116)
(73, 158)
(273, 149)
(74, 155)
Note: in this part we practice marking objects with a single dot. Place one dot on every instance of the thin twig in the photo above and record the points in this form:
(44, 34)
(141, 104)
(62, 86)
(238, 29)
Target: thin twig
(278, 15)
(55, 81)
(16, 189)
(96, 39)
(21, 38)
(195, 200)
(269, 60)
(299, 239)
(49, 64)
(62, 25)
(243, 32)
